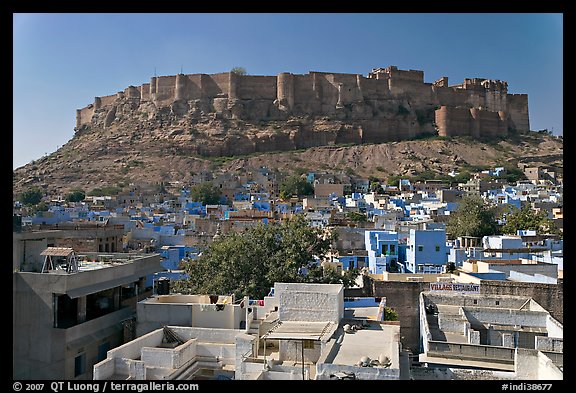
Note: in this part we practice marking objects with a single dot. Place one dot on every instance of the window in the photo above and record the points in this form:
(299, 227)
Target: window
(392, 248)
(475, 301)
(79, 364)
(103, 350)
(420, 248)
(437, 248)
(497, 302)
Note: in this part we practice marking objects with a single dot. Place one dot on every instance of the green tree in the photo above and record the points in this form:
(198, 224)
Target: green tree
(239, 71)
(249, 263)
(393, 180)
(512, 174)
(206, 193)
(295, 185)
(527, 218)
(41, 207)
(31, 197)
(375, 185)
(390, 314)
(462, 177)
(319, 274)
(472, 218)
(76, 196)
(16, 223)
(357, 217)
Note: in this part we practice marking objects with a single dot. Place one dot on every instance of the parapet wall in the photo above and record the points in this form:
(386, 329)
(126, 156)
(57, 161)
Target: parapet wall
(389, 104)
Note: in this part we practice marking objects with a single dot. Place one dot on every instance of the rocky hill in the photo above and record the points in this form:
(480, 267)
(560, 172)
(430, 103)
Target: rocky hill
(158, 150)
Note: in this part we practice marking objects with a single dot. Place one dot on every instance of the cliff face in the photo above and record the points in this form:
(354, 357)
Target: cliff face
(132, 152)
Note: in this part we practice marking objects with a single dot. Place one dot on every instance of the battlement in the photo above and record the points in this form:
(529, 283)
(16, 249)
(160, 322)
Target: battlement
(388, 101)
(392, 72)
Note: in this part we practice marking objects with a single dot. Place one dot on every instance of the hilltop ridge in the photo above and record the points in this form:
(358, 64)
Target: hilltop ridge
(388, 123)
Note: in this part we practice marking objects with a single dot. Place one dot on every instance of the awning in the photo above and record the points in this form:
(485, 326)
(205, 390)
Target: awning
(300, 330)
(101, 286)
(57, 251)
(94, 337)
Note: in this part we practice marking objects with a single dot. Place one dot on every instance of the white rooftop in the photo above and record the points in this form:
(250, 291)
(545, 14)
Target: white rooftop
(371, 342)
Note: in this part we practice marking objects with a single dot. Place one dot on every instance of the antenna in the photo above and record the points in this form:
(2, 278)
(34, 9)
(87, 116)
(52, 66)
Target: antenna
(181, 69)
(154, 72)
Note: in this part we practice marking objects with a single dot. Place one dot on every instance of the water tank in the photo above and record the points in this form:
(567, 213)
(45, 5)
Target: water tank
(163, 286)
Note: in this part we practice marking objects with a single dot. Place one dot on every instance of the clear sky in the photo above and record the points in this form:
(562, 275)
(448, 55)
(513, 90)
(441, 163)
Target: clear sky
(62, 61)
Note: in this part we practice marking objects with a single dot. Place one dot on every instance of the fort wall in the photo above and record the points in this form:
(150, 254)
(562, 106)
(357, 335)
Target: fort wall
(389, 104)
(470, 121)
(517, 107)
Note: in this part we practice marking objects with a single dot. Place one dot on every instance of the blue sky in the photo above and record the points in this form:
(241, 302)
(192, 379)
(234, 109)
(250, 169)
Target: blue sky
(62, 61)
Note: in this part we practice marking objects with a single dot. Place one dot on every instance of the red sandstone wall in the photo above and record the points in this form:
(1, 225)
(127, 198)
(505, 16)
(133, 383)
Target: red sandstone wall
(165, 86)
(518, 110)
(216, 84)
(108, 100)
(453, 121)
(257, 87)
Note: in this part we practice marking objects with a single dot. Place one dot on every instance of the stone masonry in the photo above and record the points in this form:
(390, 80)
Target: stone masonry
(387, 105)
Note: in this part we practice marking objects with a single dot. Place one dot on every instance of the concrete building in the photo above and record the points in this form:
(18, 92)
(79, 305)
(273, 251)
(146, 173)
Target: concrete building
(514, 269)
(382, 247)
(64, 323)
(84, 237)
(352, 260)
(324, 190)
(402, 294)
(176, 353)
(426, 251)
(311, 339)
(300, 331)
(490, 332)
(219, 312)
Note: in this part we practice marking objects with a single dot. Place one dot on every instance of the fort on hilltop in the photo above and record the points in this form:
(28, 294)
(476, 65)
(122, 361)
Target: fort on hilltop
(388, 105)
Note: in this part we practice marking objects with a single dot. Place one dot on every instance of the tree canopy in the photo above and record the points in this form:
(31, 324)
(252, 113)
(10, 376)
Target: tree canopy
(357, 217)
(76, 196)
(295, 185)
(249, 263)
(206, 193)
(31, 197)
(527, 218)
(239, 70)
(472, 218)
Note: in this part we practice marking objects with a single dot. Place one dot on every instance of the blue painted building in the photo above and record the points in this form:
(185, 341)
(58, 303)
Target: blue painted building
(171, 258)
(382, 247)
(351, 261)
(426, 251)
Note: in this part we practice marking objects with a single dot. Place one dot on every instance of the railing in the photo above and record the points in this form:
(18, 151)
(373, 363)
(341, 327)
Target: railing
(556, 357)
(483, 352)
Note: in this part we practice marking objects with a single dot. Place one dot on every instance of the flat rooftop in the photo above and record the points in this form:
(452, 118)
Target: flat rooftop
(95, 261)
(371, 341)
